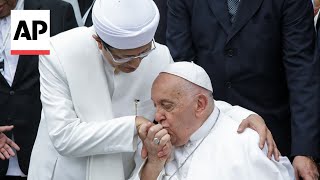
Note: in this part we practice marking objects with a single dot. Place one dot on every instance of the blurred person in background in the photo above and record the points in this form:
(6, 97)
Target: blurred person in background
(259, 55)
(82, 11)
(95, 92)
(20, 103)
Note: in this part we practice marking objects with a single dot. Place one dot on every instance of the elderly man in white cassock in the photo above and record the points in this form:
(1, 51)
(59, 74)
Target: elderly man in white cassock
(207, 146)
(95, 97)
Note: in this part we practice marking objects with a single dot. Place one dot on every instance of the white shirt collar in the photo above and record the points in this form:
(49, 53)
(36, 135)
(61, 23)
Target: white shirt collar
(206, 126)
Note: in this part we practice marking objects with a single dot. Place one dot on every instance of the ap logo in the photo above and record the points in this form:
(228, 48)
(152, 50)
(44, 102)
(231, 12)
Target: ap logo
(30, 31)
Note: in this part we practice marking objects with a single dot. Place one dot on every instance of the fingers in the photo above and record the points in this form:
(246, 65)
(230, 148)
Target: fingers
(143, 130)
(13, 144)
(277, 154)
(160, 134)
(165, 153)
(144, 152)
(309, 177)
(153, 130)
(296, 173)
(256, 123)
(244, 124)
(271, 144)
(5, 153)
(305, 168)
(2, 157)
(262, 140)
(6, 128)
(9, 150)
(164, 140)
(264, 135)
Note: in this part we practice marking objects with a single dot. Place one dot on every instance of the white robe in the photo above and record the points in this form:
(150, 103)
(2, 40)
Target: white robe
(78, 117)
(221, 153)
(88, 111)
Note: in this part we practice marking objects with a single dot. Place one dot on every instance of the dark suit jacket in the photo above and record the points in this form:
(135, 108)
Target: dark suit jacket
(20, 104)
(160, 35)
(264, 61)
(84, 6)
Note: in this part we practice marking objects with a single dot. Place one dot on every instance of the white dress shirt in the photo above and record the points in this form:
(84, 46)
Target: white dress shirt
(10, 61)
(10, 66)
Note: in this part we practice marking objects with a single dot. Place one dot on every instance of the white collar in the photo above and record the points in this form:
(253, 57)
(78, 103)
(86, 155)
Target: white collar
(206, 126)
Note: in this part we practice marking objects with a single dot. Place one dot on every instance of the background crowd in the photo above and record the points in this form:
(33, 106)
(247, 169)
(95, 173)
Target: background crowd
(263, 55)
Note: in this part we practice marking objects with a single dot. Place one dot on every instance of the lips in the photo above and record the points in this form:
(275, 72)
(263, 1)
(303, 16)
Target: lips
(130, 68)
(169, 131)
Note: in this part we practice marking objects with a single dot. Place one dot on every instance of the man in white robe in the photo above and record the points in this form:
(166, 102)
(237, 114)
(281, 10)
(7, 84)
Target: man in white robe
(94, 96)
(206, 144)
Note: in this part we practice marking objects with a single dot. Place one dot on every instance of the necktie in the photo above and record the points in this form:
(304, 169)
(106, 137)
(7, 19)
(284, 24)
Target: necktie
(232, 8)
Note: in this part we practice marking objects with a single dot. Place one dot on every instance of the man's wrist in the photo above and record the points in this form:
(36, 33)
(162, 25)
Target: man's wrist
(155, 166)
(151, 170)
(139, 121)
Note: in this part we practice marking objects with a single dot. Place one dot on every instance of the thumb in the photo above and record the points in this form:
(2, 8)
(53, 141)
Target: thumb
(296, 174)
(6, 128)
(144, 152)
(244, 124)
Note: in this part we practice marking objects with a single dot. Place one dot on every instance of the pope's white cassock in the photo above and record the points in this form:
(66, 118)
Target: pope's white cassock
(217, 151)
(87, 128)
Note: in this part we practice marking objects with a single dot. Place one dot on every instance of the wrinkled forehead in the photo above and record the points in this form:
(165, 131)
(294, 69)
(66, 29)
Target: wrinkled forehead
(164, 80)
(167, 85)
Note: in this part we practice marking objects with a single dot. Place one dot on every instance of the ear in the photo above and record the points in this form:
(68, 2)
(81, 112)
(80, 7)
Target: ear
(202, 104)
(95, 37)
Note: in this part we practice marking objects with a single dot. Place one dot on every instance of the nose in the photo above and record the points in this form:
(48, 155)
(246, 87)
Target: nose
(159, 117)
(134, 63)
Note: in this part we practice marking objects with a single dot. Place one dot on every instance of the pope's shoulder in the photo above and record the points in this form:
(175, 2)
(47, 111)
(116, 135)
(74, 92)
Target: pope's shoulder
(226, 127)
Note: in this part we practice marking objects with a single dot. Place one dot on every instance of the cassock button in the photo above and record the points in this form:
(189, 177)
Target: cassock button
(11, 93)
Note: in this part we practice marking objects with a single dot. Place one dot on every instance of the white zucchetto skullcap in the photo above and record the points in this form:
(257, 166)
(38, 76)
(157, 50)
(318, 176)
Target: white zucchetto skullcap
(125, 24)
(190, 72)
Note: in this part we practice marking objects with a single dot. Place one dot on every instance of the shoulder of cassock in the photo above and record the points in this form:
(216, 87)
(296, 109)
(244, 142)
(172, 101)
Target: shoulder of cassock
(76, 44)
(236, 156)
